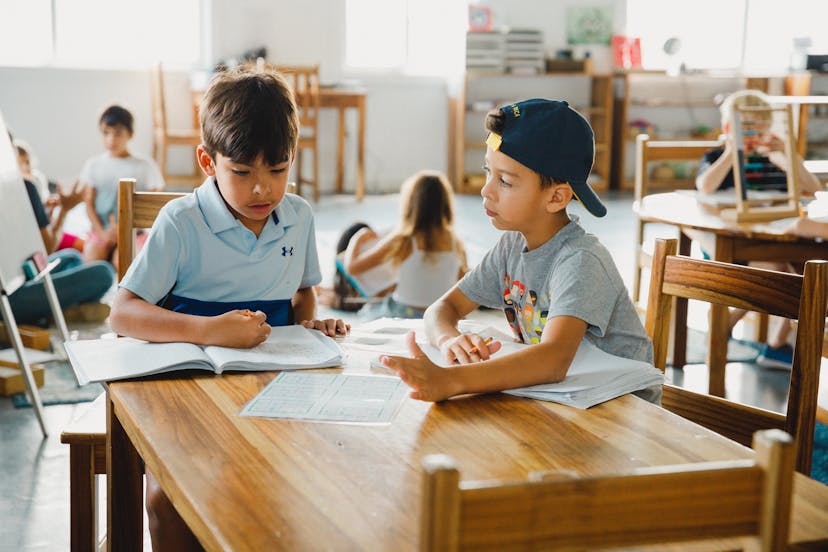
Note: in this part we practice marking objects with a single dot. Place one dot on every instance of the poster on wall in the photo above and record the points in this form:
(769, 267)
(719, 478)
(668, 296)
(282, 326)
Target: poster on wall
(588, 25)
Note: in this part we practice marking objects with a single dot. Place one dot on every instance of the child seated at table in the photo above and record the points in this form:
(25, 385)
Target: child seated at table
(224, 264)
(423, 255)
(556, 284)
(716, 172)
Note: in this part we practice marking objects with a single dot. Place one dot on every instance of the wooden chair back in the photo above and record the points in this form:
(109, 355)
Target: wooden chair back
(766, 291)
(304, 80)
(136, 210)
(649, 505)
(648, 151)
(164, 136)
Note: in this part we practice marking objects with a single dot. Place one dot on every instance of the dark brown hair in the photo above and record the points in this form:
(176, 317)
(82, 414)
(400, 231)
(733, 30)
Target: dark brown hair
(115, 115)
(246, 113)
(495, 121)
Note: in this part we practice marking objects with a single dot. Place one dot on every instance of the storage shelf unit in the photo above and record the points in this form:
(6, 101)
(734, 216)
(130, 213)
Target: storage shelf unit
(590, 95)
(673, 105)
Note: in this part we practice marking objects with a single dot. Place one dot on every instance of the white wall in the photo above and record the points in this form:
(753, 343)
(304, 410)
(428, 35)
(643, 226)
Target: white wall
(56, 109)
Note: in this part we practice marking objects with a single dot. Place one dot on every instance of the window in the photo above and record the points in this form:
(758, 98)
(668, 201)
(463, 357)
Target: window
(423, 37)
(100, 33)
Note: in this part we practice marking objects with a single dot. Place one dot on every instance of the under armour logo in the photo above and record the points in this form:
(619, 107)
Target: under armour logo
(287, 251)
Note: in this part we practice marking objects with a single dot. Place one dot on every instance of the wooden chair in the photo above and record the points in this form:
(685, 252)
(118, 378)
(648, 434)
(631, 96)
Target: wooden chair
(304, 81)
(646, 152)
(776, 293)
(562, 511)
(86, 436)
(164, 137)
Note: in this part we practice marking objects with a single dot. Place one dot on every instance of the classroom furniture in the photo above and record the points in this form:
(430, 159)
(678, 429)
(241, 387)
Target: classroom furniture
(759, 241)
(136, 210)
(561, 510)
(675, 107)
(803, 298)
(482, 91)
(259, 484)
(22, 257)
(86, 437)
(658, 151)
(165, 137)
(807, 91)
(304, 81)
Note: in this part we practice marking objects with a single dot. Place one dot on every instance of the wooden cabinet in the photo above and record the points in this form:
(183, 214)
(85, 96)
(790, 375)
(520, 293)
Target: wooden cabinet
(683, 107)
(808, 91)
(591, 95)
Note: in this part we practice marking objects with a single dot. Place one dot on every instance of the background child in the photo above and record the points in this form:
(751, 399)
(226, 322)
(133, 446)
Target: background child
(556, 284)
(78, 286)
(102, 174)
(424, 248)
(236, 256)
(716, 172)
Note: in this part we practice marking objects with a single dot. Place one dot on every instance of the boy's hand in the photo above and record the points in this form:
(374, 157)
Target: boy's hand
(468, 348)
(240, 329)
(428, 381)
(71, 197)
(770, 143)
(330, 326)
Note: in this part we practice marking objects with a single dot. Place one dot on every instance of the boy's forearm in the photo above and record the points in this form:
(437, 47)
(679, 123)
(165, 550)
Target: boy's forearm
(304, 305)
(139, 319)
(710, 180)
(440, 320)
(538, 364)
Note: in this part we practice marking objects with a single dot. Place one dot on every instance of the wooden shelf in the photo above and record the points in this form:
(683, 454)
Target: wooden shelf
(656, 102)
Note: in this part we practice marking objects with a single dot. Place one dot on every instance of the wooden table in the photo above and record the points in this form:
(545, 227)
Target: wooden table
(733, 242)
(340, 99)
(258, 484)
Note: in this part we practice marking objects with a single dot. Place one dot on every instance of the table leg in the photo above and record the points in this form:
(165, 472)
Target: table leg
(718, 334)
(340, 152)
(125, 488)
(360, 179)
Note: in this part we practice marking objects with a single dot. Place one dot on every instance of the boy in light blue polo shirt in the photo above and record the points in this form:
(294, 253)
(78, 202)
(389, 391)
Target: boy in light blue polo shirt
(224, 264)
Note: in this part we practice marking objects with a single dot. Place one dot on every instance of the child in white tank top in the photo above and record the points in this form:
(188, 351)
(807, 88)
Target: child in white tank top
(428, 255)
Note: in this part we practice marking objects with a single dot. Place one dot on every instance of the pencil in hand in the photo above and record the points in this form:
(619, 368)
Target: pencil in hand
(474, 350)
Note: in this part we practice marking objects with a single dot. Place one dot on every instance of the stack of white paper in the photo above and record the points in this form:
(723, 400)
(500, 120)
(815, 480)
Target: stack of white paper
(595, 377)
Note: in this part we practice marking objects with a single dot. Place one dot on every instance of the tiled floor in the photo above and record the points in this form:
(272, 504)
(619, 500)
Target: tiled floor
(34, 483)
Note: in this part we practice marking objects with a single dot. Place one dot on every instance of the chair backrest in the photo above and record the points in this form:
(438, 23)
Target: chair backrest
(650, 505)
(159, 110)
(136, 210)
(648, 151)
(753, 289)
(304, 80)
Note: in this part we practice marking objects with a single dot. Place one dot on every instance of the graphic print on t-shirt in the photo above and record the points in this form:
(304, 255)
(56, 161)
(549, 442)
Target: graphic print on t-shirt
(523, 310)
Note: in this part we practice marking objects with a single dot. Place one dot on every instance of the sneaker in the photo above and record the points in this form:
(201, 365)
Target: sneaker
(780, 357)
(86, 312)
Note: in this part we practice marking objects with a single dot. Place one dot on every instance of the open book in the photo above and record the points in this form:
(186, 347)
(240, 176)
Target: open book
(287, 348)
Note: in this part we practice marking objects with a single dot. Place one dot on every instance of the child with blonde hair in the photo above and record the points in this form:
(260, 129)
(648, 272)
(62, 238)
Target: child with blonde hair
(428, 256)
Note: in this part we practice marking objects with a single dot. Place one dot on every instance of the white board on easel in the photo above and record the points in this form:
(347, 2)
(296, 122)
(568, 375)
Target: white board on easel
(21, 240)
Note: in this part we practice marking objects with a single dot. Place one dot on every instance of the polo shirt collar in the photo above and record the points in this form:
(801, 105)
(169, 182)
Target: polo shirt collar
(219, 218)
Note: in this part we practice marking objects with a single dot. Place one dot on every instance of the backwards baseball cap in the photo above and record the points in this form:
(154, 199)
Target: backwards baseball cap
(552, 139)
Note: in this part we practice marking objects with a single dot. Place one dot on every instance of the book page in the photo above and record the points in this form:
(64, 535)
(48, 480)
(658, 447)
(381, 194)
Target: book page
(114, 359)
(352, 398)
(287, 347)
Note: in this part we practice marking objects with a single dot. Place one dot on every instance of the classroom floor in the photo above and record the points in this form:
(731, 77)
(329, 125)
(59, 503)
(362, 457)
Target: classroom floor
(34, 473)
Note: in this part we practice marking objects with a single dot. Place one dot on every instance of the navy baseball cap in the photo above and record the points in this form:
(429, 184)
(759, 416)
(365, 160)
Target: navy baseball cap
(554, 140)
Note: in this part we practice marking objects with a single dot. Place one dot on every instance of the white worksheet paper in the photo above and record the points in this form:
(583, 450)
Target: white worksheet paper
(352, 398)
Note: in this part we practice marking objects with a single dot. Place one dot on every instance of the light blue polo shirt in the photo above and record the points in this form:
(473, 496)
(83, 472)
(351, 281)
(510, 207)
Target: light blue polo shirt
(198, 250)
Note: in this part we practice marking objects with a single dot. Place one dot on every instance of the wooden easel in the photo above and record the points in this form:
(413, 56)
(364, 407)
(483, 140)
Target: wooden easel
(17, 219)
(761, 209)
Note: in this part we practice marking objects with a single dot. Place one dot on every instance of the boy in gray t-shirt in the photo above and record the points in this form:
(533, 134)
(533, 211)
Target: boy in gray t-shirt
(556, 284)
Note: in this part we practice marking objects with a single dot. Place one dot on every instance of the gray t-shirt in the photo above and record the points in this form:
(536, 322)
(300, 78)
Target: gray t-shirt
(572, 274)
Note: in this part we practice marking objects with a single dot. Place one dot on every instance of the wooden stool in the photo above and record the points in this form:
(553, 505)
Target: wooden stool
(86, 437)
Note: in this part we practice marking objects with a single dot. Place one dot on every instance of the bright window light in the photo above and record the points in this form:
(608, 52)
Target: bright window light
(423, 37)
(772, 27)
(25, 32)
